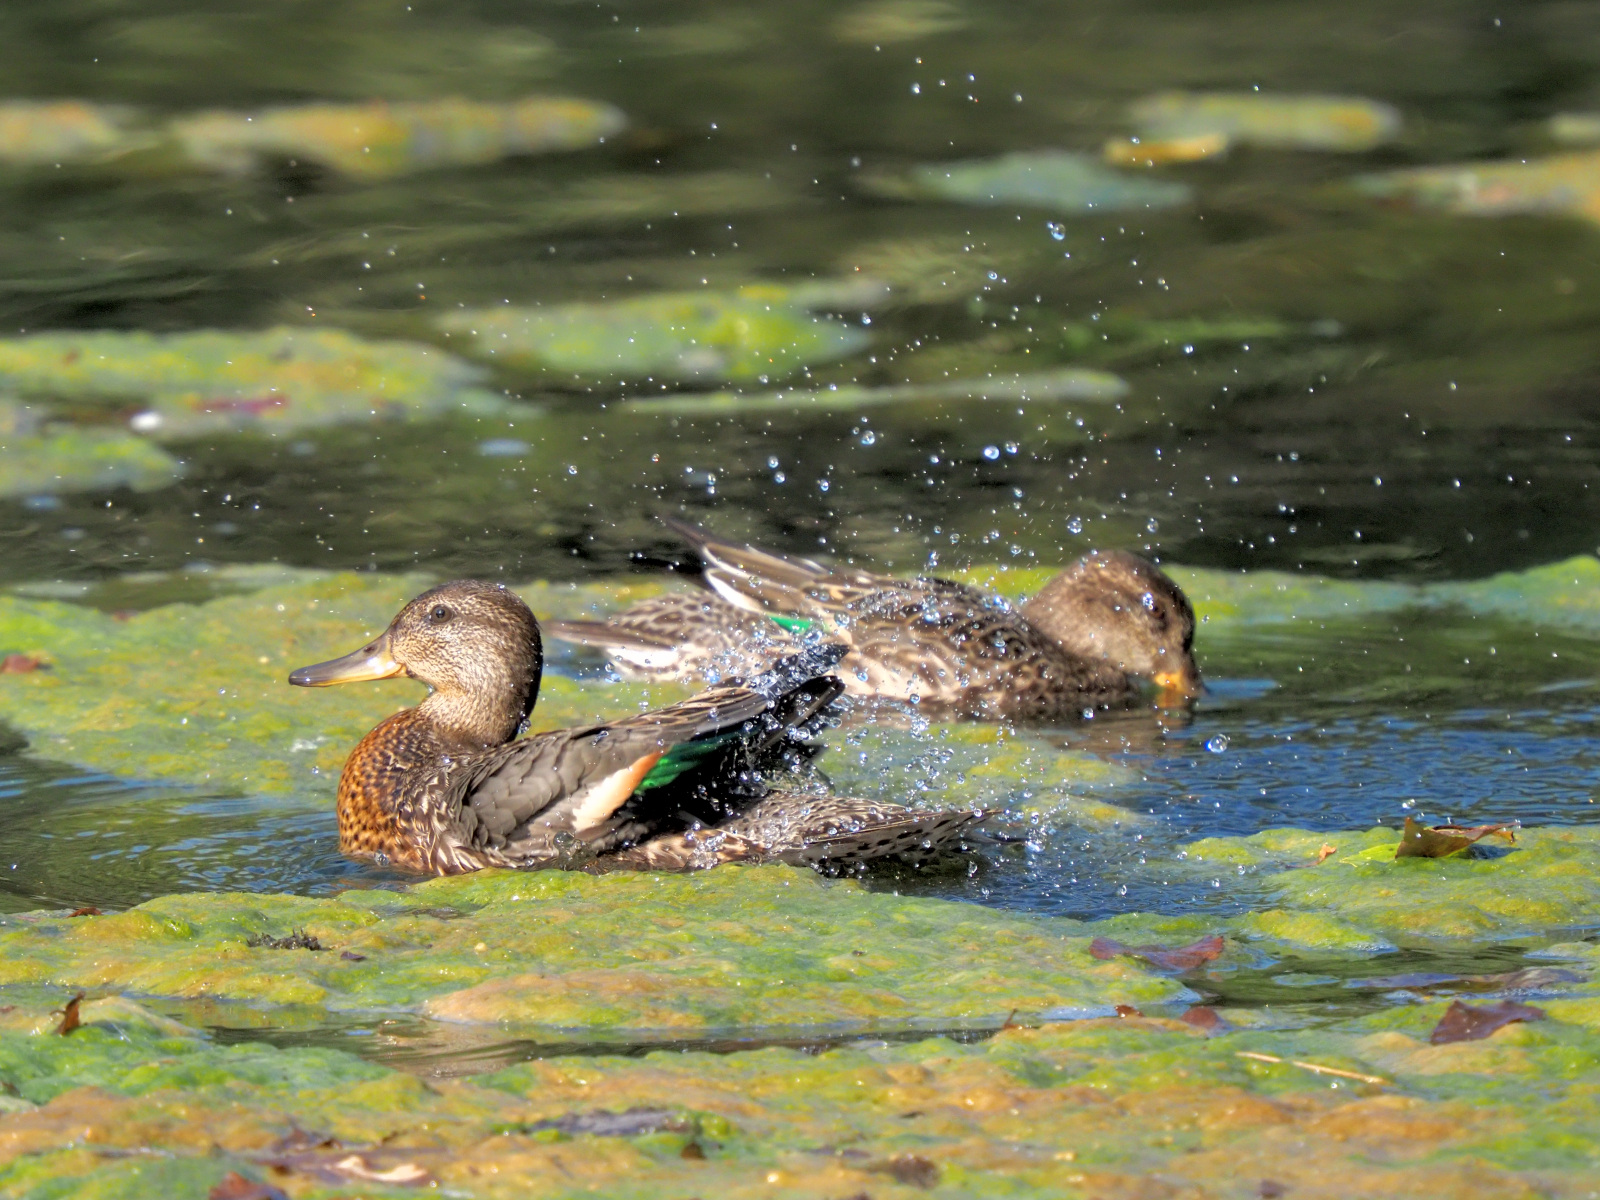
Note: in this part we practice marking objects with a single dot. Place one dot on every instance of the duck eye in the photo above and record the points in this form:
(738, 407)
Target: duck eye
(439, 614)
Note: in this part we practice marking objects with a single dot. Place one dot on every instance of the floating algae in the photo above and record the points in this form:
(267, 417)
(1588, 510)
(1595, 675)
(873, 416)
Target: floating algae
(1337, 123)
(1561, 185)
(40, 457)
(1047, 386)
(1055, 180)
(188, 384)
(888, 21)
(374, 141)
(757, 332)
(52, 132)
(1103, 1106)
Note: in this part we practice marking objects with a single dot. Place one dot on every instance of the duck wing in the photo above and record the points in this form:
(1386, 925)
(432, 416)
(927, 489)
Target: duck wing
(683, 637)
(551, 797)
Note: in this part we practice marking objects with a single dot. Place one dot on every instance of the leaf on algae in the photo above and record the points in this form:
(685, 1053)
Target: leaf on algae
(1055, 180)
(1464, 1023)
(1562, 185)
(1338, 123)
(1165, 958)
(190, 384)
(377, 140)
(69, 1015)
(752, 333)
(1068, 383)
(234, 1186)
(1438, 841)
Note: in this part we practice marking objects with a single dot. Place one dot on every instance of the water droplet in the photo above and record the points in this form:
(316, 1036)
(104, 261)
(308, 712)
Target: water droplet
(1217, 744)
(1057, 230)
(991, 452)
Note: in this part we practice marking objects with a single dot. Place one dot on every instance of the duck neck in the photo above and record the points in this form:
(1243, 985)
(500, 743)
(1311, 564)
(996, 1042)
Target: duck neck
(482, 717)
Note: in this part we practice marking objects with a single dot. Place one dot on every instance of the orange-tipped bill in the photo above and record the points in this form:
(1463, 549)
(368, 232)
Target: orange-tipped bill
(372, 661)
(1177, 687)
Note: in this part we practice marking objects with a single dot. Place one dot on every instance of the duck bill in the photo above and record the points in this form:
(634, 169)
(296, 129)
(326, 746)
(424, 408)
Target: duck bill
(1176, 688)
(372, 661)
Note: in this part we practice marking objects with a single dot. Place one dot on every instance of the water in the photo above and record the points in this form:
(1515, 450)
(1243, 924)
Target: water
(1418, 403)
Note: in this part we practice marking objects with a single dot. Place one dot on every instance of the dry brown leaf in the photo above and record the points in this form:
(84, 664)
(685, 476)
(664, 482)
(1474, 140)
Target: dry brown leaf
(909, 1168)
(1166, 958)
(1422, 841)
(87, 910)
(234, 1186)
(22, 664)
(69, 1015)
(1463, 1023)
(1128, 1010)
(1207, 1019)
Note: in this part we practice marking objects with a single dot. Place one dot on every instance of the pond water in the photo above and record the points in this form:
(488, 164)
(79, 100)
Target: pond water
(1316, 380)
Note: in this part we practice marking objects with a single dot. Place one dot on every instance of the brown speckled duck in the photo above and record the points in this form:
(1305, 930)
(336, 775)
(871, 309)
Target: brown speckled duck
(448, 786)
(1086, 640)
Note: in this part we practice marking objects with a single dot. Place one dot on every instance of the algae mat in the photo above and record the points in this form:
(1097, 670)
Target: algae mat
(133, 1104)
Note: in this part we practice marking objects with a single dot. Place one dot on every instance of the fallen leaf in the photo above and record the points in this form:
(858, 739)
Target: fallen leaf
(1463, 1023)
(352, 956)
(1207, 1019)
(87, 910)
(69, 1015)
(1422, 841)
(1271, 1189)
(1166, 958)
(234, 1186)
(1128, 1010)
(909, 1168)
(22, 664)
(692, 1150)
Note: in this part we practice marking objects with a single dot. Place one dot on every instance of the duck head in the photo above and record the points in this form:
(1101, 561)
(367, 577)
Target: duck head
(475, 644)
(1117, 606)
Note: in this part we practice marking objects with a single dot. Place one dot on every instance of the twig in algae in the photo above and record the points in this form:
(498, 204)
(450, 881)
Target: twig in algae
(1314, 1068)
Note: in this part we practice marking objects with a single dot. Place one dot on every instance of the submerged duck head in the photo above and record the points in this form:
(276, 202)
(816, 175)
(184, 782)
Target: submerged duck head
(475, 644)
(1117, 606)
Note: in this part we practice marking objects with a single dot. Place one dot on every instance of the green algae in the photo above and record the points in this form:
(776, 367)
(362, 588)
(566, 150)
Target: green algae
(1561, 185)
(374, 141)
(1055, 180)
(555, 953)
(754, 333)
(1362, 898)
(1069, 383)
(1092, 1108)
(1332, 123)
(61, 458)
(190, 384)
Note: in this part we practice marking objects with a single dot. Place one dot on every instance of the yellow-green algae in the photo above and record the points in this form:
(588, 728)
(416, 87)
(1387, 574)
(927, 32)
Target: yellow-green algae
(38, 457)
(1107, 1108)
(1058, 181)
(1337, 123)
(760, 332)
(209, 381)
(556, 952)
(375, 141)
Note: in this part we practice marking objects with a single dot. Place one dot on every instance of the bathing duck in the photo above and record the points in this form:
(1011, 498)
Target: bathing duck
(1085, 641)
(449, 786)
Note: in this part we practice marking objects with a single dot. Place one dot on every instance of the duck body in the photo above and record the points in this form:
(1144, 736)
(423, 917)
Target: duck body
(1086, 641)
(448, 786)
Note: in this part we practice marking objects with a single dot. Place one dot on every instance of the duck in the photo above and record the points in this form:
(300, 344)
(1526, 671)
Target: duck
(1096, 636)
(455, 783)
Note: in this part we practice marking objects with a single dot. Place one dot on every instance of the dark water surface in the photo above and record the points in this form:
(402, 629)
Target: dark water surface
(1420, 401)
